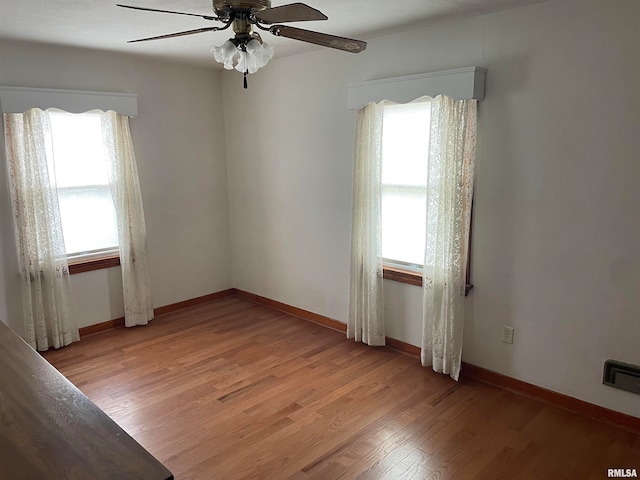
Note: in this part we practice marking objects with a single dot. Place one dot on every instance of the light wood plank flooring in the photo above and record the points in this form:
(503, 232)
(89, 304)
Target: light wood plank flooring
(234, 390)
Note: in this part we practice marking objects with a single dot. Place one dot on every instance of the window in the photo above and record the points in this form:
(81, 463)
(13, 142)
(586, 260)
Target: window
(36, 165)
(405, 147)
(82, 182)
(405, 162)
(388, 187)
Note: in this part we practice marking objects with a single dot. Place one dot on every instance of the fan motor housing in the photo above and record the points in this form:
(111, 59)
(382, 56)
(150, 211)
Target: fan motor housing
(224, 8)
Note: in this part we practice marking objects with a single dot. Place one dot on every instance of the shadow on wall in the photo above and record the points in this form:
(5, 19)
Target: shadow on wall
(116, 297)
(495, 218)
(10, 285)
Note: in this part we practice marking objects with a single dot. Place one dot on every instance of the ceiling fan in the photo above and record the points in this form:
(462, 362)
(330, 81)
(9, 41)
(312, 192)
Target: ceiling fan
(246, 52)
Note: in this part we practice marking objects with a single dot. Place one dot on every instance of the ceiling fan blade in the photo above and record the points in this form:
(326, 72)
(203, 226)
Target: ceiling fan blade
(179, 34)
(293, 12)
(323, 39)
(206, 17)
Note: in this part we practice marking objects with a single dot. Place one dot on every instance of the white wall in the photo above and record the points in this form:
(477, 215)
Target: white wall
(555, 234)
(556, 229)
(179, 141)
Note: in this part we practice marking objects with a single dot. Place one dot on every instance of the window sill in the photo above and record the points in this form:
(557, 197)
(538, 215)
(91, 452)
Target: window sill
(80, 266)
(410, 277)
(402, 275)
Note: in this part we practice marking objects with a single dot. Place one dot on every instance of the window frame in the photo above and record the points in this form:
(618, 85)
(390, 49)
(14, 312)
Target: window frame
(58, 119)
(87, 260)
(402, 118)
(412, 275)
(91, 264)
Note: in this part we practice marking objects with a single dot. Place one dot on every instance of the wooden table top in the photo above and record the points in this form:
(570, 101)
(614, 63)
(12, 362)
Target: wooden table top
(50, 430)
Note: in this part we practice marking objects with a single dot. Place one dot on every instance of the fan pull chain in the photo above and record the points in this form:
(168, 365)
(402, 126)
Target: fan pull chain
(245, 66)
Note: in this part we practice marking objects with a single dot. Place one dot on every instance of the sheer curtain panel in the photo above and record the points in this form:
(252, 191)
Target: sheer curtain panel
(125, 189)
(452, 153)
(366, 307)
(48, 316)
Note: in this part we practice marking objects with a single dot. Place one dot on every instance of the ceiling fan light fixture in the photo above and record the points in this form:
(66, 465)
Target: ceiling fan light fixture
(225, 54)
(255, 56)
(244, 57)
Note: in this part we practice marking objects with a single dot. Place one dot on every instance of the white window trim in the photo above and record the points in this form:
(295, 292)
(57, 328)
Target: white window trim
(460, 83)
(402, 265)
(20, 99)
(93, 254)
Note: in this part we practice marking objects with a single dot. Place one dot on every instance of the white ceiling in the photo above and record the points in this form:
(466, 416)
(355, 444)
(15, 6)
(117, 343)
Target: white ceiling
(100, 24)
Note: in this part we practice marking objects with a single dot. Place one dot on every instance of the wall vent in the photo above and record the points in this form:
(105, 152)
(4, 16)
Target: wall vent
(622, 375)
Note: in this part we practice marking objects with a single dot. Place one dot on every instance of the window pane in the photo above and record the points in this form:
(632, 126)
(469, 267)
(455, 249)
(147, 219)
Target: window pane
(405, 144)
(77, 149)
(403, 224)
(88, 219)
(405, 149)
(86, 206)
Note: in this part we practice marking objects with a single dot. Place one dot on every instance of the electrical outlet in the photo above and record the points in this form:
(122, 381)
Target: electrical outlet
(507, 334)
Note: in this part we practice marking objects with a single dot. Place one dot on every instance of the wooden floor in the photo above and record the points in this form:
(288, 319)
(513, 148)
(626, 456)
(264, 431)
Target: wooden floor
(232, 390)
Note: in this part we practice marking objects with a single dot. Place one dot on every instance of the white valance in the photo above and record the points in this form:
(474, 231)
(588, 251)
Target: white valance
(19, 100)
(460, 84)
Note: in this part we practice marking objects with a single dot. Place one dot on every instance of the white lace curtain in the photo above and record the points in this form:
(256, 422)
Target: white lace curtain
(366, 305)
(452, 134)
(46, 293)
(125, 190)
(452, 151)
